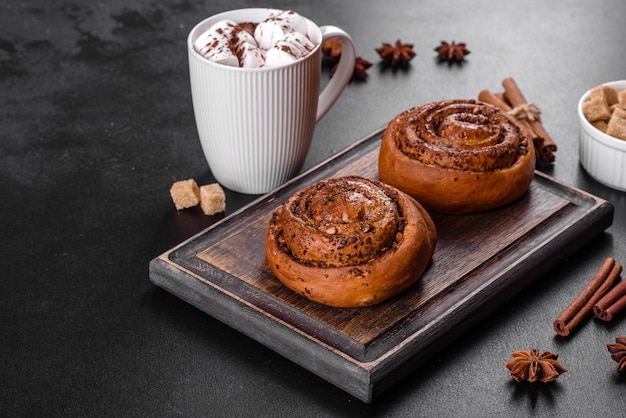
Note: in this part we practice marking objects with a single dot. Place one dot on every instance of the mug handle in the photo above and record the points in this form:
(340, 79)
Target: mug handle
(342, 75)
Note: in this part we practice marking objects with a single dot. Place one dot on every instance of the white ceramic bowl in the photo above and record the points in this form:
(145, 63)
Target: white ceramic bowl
(601, 155)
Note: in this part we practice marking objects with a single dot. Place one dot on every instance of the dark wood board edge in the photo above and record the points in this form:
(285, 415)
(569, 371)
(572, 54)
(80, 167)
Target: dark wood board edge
(313, 355)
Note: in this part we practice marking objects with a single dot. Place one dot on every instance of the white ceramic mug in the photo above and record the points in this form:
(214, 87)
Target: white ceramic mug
(256, 124)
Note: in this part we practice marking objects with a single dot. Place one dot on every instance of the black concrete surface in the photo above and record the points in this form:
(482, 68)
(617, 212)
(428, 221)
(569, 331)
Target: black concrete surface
(96, 123)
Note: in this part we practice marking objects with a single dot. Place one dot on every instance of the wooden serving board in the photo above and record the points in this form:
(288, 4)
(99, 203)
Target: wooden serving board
(480, 261)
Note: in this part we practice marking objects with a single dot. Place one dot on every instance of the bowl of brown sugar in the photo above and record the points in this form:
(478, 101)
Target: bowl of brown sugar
(602, 139)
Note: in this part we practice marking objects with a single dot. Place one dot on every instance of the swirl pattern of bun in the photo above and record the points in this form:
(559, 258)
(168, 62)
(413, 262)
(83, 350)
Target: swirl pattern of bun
(457, 156)
(349, 242)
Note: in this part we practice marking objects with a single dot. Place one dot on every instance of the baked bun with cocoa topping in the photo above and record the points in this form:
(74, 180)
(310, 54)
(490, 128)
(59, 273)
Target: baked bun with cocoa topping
(349, 242)
(457, 156)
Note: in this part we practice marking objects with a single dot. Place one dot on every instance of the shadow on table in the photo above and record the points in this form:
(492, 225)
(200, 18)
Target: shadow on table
(532, 394)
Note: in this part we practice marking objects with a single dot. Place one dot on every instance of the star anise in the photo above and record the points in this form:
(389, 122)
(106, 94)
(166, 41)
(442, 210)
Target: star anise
(618, 353)
(525, 366)
(452, 51)
(360, 69)
(331, 48)
(397, 55)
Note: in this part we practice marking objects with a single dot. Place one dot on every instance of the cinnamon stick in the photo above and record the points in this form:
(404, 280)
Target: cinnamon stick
(612, 303)
(493, 99)
(500, 95)
(512, 93)
(582, 306)
(546, 147)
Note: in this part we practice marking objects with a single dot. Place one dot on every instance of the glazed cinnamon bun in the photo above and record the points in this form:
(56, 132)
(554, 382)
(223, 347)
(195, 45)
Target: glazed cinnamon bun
(349, 242)
(457, 156)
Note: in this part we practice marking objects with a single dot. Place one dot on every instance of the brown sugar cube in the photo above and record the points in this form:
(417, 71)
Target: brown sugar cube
(600, 125)
(621, 99)
(617, 124)
(607, 92)
(596, 92)
(185, 194)
(596, 109)
(618, 113)
(212, 199)
(611, 95)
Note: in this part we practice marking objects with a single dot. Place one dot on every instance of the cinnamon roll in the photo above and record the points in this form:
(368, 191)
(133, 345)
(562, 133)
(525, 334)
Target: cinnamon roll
(457, 156)
(349, 242)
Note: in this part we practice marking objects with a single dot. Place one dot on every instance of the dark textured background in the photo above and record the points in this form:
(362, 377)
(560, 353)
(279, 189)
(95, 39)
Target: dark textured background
(96, 123)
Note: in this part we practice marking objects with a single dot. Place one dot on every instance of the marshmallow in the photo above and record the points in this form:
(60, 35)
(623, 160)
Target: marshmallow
(250, 56)
(239, 36)
(268, 32)
(289, 49)
(277, 26)
(214, 44)
(294, 20)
